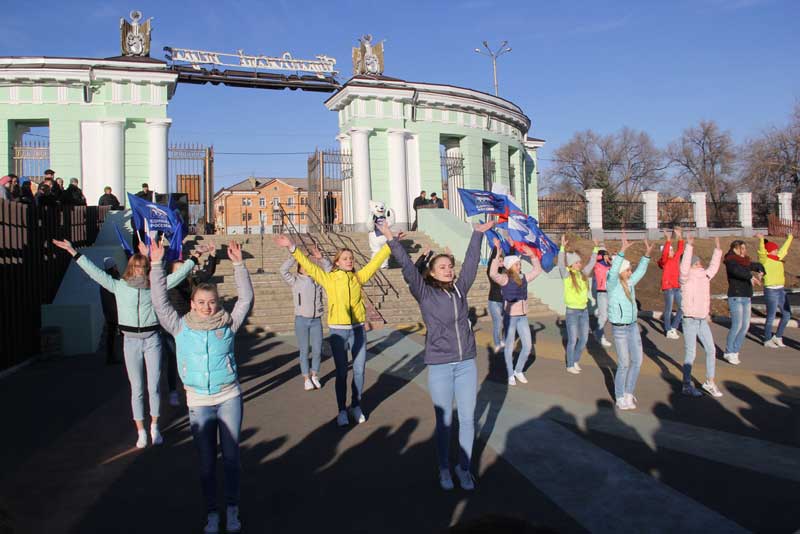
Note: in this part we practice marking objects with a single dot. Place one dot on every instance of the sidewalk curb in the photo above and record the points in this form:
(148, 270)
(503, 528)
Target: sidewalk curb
(718, 319)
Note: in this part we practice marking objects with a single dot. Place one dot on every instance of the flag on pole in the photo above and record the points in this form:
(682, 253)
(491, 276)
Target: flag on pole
(478, 202)
(124, 242)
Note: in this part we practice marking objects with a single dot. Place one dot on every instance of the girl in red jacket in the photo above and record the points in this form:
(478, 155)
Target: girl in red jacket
(670, 286)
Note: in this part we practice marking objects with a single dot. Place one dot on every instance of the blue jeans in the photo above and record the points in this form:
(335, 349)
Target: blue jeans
(601, 297)
(740, 323)
(498, 321)
(776, 299)
(355, 340)
(628, 344)
(446, 380)
(308, 328)
(671, 322)
(577, 334)
(141, 352)
(692, 330)
(207, 422)
(517, 324)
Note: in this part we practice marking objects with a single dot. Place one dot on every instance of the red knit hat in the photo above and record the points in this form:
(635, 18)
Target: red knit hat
(770, 246)
(4, 180)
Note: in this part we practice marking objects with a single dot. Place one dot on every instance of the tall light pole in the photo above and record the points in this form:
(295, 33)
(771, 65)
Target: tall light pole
(494, 55)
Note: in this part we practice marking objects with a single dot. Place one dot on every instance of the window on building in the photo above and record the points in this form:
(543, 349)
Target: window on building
(221, 209)
(276, 216)
(302, 216)
(291, 217)
(275, 201)
(262, 202)
(303, 201)
(290, 201)
(247, 202)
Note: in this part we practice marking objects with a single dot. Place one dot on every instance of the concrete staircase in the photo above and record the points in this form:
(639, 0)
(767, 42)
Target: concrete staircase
(273, 310)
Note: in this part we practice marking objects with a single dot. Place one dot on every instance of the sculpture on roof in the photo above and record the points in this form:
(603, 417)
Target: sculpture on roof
(135, 37)
(368, 58)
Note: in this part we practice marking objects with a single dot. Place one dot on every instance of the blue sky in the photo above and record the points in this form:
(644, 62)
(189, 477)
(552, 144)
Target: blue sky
(654, 66)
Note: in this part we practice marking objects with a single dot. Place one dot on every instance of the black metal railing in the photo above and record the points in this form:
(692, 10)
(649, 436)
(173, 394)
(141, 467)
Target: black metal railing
(723, 215)
(676, 213)
(628, 215)
(761, 212)
(565, 215)
(488, 172)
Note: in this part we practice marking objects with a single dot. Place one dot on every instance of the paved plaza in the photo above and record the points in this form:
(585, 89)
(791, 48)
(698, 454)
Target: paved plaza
(553, 452)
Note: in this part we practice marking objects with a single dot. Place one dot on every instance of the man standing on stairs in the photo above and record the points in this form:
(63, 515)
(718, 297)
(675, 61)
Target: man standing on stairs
(308, 308)
(419, 202)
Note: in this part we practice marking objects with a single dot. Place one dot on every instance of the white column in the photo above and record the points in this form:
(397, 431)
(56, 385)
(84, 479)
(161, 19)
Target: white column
(700, 219)
(398, 176)
(113, 161)
(650, 199)
(158, 130)
(362, 182)
(347, 183)
(414, 182)
(746, 211)
(594, 212)
(785, 206)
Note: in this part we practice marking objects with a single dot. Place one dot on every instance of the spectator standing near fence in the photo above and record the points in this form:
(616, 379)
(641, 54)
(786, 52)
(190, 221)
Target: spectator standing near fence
(108, 198)
(5, 188)
(418, 204)
(771, 257)
(696, 305)
(743, 274)
(73, 194)
(670, 285)
(14, 189)
(576, 298)
(146, 194)
(436, 202)
(140, 329)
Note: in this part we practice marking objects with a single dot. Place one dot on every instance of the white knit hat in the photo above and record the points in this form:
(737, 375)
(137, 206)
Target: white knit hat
(572, 257)
(624, 266)
(508, 261)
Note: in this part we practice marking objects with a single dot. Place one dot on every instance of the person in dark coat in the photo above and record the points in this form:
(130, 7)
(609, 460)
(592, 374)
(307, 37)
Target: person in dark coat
(743, 273)
(330, 208)
(419, 202)
(15, 189)
(26, 193)
(73, 195)
(146, 194)
(436, 202)
(109, 304)
(109, 199)
(56, 187)
(44, 197)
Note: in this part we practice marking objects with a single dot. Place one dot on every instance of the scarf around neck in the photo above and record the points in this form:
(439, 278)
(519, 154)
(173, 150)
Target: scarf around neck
(217, 320)
(744, 261)
(138, 282)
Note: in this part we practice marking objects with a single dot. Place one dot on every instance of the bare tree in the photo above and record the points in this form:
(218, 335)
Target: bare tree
(623, 164)
(704, 159)
(771, 163)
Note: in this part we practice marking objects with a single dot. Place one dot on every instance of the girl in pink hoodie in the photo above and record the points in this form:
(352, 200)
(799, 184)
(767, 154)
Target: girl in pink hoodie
(695, 283)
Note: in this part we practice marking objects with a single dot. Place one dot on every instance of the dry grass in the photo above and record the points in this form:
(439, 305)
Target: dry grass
(648, 291)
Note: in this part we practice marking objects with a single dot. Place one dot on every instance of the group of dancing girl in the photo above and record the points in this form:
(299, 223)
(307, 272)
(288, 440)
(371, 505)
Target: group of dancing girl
(202, 332)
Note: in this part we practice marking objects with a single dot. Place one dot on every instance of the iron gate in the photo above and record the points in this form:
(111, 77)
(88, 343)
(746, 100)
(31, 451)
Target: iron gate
(191, 171)
(330, 179)
(30, 159)
(452, 181)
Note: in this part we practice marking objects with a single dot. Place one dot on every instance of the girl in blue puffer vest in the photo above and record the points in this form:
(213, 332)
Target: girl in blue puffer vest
(207, 367)
(139, 327)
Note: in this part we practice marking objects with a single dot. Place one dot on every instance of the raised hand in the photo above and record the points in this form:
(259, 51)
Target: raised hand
(666, 235)
(142, 248)
(315, 253)
(564, 241)
(156, 251)
(235, 251)
(756, 281)
(689, 239)
(596, 243)
(212, 248)
(386, 231)
(65, 245)
(282, 241)
(482, 227)
(648, 247)
(677, 231)
(448, 251)
(625, 243)
(759, 236)
(716, 243)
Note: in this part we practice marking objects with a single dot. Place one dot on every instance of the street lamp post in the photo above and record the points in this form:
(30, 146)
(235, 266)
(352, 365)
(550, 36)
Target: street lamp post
(494, 55)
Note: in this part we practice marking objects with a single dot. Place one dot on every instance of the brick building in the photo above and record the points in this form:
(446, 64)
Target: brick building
(241, 208)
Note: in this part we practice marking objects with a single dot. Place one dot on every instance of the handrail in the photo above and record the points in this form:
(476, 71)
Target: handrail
(381, 280)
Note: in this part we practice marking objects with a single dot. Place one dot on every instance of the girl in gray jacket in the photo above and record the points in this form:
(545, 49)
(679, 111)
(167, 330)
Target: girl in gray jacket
(449, 346)
(308, 310)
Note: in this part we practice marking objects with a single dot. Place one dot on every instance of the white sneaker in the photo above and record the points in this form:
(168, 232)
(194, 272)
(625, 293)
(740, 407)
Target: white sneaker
(779, 342)
(605, 342)
(141, 443)
(771, 343)
(233, 525)
(631, 401)
(732, 358)
(212, 523)
(445, 480)
(712, 388)
(573, 369)
(622, 403)
(308, 385)
(578, 366)
(174, 400)
(465, 479)
(158, 439)
(315, 381)
(521, 378)
(673, 334)
(342, 419)
(358, 415)
(512, 381)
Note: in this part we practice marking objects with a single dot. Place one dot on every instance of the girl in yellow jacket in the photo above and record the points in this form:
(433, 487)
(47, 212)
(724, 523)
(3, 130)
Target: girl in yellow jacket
(576, 298)
(771, 257)
(346, 317)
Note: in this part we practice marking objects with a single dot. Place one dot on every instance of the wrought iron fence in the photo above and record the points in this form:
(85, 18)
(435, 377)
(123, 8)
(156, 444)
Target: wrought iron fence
(31, 268)
(762, 211)
(557, 214)
(30, 159)
(331, 171)
(191, 171)
(488, 172)
(723, 215)
(452, 180)
(628, 215)
(674, 213)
